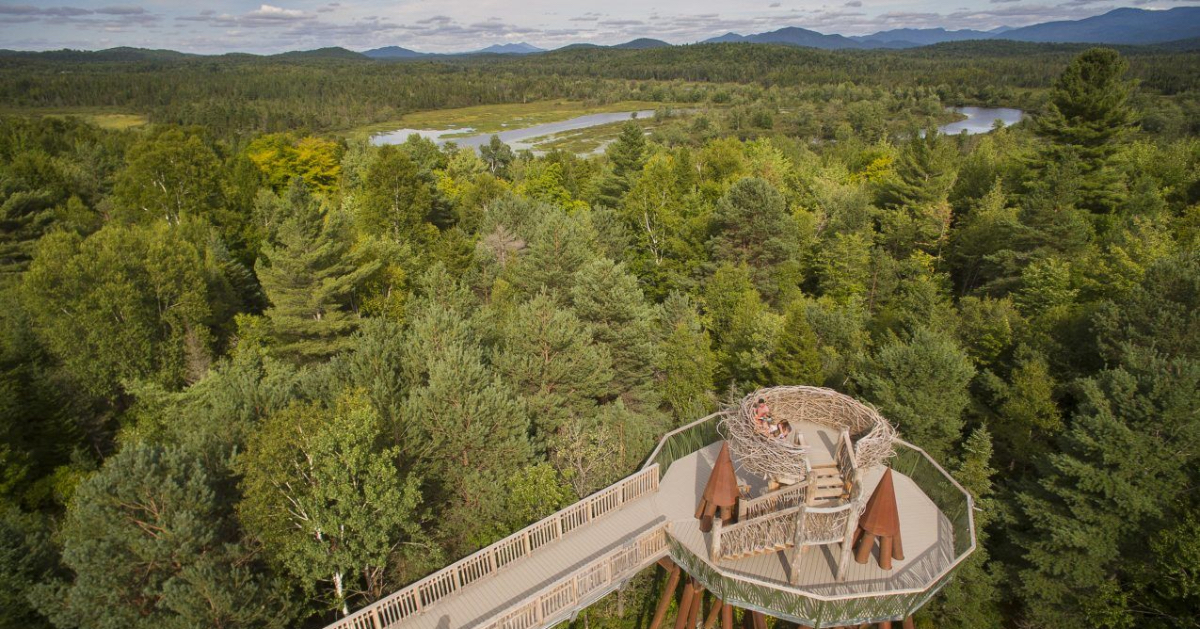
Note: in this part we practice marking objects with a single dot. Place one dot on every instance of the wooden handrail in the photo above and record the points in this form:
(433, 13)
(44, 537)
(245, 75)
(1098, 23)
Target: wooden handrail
(390, 610)
(782, 498)
(559, 601)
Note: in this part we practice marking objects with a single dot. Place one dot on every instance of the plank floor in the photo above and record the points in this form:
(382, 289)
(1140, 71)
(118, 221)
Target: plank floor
(491, 596)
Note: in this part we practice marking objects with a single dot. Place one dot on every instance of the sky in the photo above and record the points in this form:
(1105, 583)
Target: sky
(217, 26)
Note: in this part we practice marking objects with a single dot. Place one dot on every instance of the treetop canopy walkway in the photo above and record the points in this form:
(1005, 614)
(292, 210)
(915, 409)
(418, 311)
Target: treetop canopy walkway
(784, 550)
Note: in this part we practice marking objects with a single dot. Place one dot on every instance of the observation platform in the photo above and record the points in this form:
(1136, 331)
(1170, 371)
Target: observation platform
(546, 573)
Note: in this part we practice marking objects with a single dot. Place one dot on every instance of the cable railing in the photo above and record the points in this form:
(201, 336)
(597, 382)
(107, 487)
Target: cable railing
(392, 609)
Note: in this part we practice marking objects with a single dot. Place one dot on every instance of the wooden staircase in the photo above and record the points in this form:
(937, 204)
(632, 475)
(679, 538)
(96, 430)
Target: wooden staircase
(827, 488)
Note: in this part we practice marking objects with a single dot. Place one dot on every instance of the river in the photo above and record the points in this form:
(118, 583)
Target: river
(980, 119)
(518, 139)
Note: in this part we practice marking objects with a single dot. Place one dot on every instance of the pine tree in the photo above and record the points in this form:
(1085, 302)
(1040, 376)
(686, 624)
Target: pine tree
(795, 359)
(751, 225)
(151, 541)
(468, 433)
(609, 299)
(553, 362)
(924, 173)
(1123, 468)
(309, 275)
(686, 361)
(921, 385)
(1087, 118)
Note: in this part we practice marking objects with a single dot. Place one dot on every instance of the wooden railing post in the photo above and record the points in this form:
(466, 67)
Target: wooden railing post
(715, 546)
(375, 619)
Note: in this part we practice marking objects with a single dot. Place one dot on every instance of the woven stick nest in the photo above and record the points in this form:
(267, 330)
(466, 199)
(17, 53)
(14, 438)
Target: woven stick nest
(783, 458)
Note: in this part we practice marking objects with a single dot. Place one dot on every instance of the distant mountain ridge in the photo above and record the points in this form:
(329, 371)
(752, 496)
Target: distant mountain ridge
(521, 48)
(1119, 26)
(1178, 27)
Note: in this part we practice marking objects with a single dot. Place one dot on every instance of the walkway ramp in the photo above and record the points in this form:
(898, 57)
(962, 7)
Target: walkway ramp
(540, 575)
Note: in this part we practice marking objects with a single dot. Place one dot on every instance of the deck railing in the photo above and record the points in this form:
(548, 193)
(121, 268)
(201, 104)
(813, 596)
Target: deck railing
(390, 610)
(683, 441)
(559, 601)
(806, 607)
(784, 498)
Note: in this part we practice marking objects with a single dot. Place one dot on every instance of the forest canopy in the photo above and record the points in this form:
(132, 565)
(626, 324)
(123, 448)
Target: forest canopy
(256, 371)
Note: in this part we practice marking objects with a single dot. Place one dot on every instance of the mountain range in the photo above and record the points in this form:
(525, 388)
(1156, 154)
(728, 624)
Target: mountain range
(1180, 27)
(1119, 26)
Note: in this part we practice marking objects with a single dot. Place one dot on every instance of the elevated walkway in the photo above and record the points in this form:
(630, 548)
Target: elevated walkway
(549, 571)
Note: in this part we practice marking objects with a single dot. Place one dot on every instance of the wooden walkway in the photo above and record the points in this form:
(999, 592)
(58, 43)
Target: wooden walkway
(545, 573)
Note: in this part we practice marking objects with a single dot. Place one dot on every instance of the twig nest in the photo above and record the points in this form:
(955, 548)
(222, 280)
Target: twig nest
(784, 458)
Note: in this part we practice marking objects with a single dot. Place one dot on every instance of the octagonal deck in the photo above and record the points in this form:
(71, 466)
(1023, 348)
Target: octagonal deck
(927, 535)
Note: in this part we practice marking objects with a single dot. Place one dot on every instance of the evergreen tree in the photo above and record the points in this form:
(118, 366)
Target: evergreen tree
(626, 156)
(1087, 118)
(686, 361)
(467, 433)
(27, 559)
(924, 173)
(553, 362)
(973, 599)
(151, 541)
(752, 226)
(921, 386)
(1123, 467)
(795, 359)
(309, 275)
(609, 299)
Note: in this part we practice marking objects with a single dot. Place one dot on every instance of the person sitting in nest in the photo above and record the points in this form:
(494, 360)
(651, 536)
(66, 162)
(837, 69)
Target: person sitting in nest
(764, 424)
(785, 429)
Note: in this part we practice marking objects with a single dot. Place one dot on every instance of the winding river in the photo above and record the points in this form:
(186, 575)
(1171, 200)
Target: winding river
(518, 139)
(981, 119)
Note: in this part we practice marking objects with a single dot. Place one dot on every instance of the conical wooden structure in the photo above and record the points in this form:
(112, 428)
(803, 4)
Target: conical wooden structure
(880, 519)
(720, 492)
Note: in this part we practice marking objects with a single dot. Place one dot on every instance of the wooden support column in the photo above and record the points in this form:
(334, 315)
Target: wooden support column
(747, 619)
(760, 621)
(887, 624)
(694, 608)
(727, 616)
(714, 613)
(908, 622)
(685, 604)
(664, 600)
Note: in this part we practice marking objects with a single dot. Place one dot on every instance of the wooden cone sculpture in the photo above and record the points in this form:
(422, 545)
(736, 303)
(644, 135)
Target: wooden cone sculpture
(721, 491)
(880, 519)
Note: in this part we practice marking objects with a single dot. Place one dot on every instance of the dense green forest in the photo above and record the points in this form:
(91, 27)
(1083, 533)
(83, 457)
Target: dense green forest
(254, 373)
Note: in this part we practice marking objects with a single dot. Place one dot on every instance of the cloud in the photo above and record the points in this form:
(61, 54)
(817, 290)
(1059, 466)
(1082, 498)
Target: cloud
(110, 18)
(32, 11)
(122, 10)
(265, 16)
(853, 4)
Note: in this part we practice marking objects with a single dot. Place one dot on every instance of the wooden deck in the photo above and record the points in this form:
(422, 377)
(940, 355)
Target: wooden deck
(927, 537)
(651, 508)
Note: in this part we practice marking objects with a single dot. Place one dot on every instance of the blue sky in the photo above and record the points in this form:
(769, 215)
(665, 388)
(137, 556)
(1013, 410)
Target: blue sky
(457, 25)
